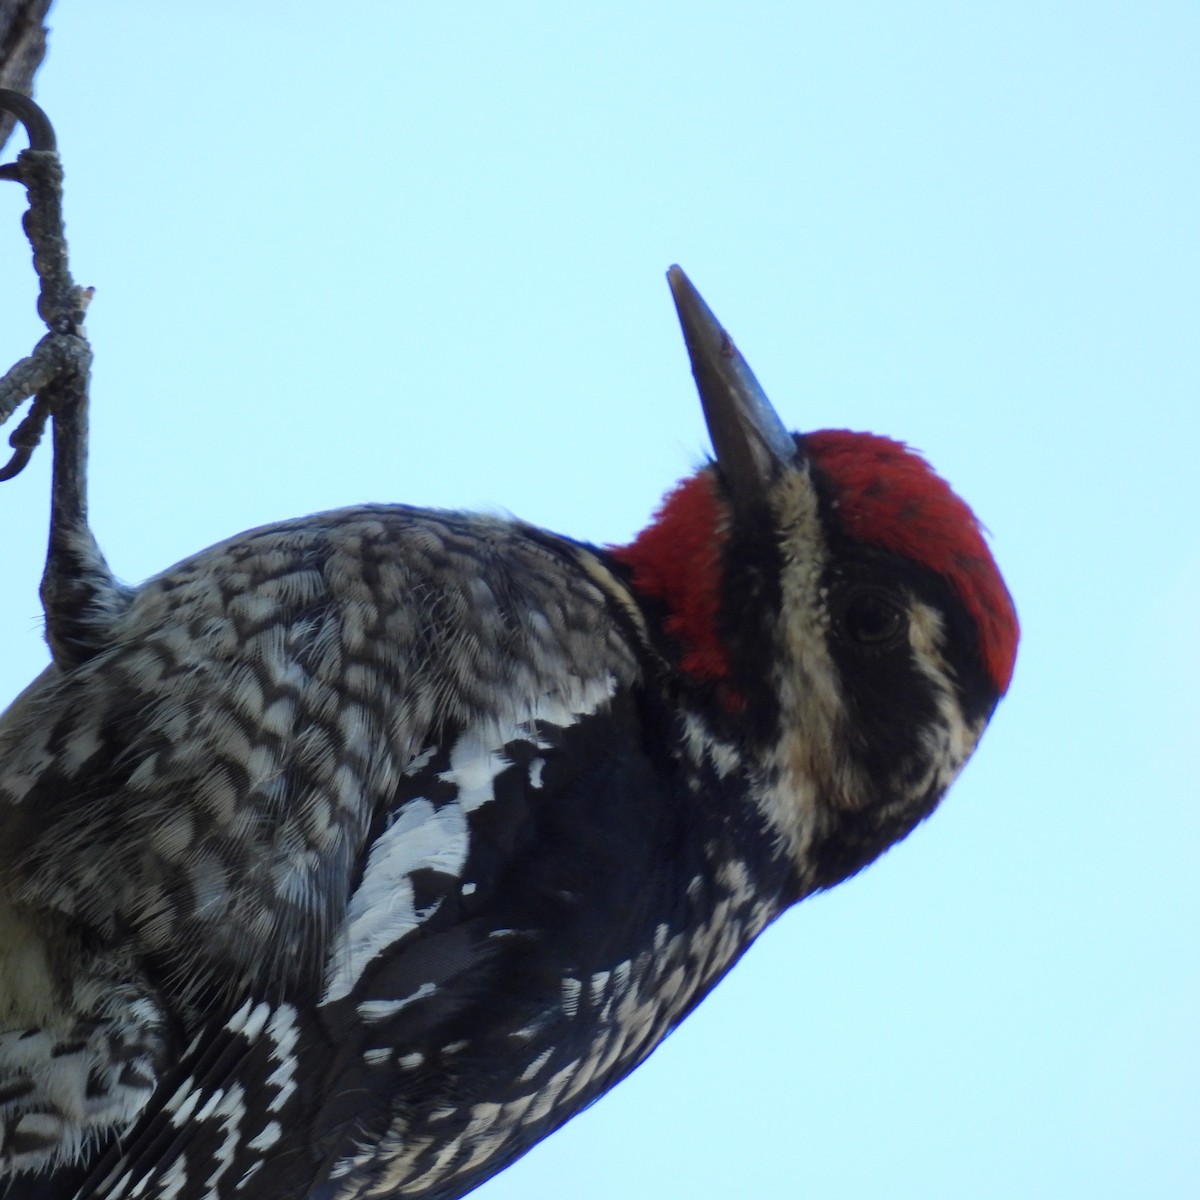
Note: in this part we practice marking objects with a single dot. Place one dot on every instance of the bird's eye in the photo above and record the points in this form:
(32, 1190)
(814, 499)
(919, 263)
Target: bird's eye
(872, 618)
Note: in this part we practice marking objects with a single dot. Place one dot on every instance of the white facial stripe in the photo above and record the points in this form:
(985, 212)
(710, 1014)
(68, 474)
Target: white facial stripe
(806, 679)
(950, 740)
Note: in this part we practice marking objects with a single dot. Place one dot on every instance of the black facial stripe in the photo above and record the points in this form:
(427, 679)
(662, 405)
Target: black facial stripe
(855, 566)
(750, 605)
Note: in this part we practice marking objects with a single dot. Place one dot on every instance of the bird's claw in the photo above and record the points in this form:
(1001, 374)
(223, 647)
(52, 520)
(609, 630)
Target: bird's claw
(55, 374)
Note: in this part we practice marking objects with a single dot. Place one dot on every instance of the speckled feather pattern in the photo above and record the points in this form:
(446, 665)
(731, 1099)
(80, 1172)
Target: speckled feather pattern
(291, 782)
(281, 682)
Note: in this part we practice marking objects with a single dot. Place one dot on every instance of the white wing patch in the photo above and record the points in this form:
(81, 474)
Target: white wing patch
(383, 909)
(380, 1010)
(284, 1031)
(423, 836)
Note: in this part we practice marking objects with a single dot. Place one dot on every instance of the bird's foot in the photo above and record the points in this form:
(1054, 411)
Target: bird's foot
(78, 591)
(55, 375)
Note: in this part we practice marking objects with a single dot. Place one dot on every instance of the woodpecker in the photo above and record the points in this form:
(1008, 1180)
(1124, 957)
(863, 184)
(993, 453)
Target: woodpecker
(354, 855)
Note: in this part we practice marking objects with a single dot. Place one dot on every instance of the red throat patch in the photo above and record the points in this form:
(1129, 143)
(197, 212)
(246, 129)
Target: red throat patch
(889, 496)
(677, 559)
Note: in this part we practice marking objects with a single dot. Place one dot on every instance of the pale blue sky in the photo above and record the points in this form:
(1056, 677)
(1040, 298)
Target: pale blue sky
(416, 253)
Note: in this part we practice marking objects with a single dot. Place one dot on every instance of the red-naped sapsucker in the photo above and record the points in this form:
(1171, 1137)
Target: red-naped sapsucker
(352, 856)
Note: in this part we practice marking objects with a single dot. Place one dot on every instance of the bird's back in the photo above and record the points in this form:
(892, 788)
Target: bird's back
(308, 768)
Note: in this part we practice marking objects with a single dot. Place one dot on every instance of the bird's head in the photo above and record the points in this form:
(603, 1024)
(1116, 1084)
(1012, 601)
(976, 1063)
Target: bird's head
(834, 611)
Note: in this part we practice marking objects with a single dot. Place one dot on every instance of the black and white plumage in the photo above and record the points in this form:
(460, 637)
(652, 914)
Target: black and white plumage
(352, 856)
(428, 860)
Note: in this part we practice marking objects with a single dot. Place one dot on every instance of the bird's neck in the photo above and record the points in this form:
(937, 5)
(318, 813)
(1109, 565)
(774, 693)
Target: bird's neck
(676, 564)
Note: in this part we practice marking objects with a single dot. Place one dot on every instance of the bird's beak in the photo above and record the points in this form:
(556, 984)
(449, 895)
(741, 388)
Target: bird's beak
(751, 443)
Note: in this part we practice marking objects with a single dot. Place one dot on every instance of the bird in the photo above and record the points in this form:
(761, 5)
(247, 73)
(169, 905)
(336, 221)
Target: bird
(352, 856)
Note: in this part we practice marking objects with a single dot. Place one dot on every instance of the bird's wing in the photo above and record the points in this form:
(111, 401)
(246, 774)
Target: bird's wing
(321, 782)
(210, 779)
(476, 894)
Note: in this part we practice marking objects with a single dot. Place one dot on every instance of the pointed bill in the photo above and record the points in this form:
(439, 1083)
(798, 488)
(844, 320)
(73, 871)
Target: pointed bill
(751, 443)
